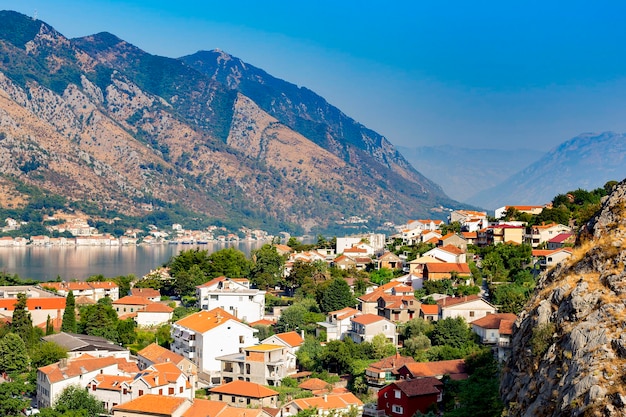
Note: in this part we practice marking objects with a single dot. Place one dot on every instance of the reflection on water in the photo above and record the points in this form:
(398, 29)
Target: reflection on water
(80, 262)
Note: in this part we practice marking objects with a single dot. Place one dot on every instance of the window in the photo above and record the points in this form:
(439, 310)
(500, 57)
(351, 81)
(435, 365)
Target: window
(233, 398)
(170, 391)
(161, 391)
(180, 390)
(397, 393)
(241, 339)
(397, 409)
(140, 392)
(124, 391)
(471, 314)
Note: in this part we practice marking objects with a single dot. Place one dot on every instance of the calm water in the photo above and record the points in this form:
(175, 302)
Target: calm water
(45, 263)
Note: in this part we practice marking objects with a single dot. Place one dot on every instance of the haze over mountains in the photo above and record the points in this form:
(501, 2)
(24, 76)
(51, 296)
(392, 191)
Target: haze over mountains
(99, 121)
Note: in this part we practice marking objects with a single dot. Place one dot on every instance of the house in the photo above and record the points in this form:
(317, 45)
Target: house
(129, 305)
(501, 233)
(561, 240)
(470, 237)
(452, 239)
(154, 314)
(319, 387)
(153, 405)
(549, 258)
(538, 234)
(376, 241)
(429, 312)
(398, 308)
(234, 295)
(195, 338)
(291, 341)
(496, 330)
(204, 408)
(444, 270)
(39, 303)
(283, 249)
(368, 303)
(338, 323)
(263, 364)
(470, 307)
(448, 253)
(149, 293)
(79, 344)
(469, 220)
(366, 326)
(454, 368)
(416, 266)
(53, 379)
(244, 394)
(78, 288)
(158, 379)
(389, 260)
(405, 398)
(155, 354)
(385, 371)
(335, 404)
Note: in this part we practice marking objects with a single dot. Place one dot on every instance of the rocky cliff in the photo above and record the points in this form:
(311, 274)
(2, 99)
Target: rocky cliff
(569, 349)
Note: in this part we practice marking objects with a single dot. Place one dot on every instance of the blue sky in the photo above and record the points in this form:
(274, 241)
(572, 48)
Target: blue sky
(479, 74)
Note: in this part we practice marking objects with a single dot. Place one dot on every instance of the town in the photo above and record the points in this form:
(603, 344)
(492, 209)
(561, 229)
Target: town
(371, 324)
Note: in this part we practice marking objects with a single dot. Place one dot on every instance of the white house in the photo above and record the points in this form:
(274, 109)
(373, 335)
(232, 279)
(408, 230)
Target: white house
(39, 303)
(291, 341)
(154, 314)
(470, 307)
(366, 326)
(203, 336)
(538, 234)
(53, 379)
(338, 323)
(496, 330)
(233, 295)
(448, 253)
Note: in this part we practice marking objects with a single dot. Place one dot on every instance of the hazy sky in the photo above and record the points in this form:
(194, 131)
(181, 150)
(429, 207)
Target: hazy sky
(498, 74)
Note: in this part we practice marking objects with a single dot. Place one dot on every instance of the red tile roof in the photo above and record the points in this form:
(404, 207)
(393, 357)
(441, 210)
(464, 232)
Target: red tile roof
(430, 309)
(328, 402)
(244, 389)
(436, 369)
(315, 384)
(157, 308)
(152, 404)
(443, 267)
(366, 319)
(492, 321)
(420, 386)
(391, 363)
(133, 300)
(158, 354)
(451, 301)
(75, 367)
(203, 321)
(204, 408)
(145, 292)
(293, 339)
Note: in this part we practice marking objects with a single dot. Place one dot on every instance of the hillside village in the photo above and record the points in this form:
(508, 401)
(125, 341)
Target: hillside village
(236, 349)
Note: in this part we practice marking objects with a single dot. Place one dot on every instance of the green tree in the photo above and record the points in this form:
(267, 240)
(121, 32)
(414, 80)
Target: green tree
(382, 347)
(12, 401)
(13, 354)
(267, 266)
(21, 322)
(299, 272)
(453, 332)
(229, 262)
(187, 258)
(336, 357)
(99, 319)
(49, 326)
(75, 398)
(337, 296)
(126, 332)
(69, 315)
(47, 353)
(381, 276)
(308, 354)
(417, 344)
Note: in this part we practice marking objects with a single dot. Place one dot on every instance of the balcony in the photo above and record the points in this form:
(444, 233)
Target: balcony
(370, 410)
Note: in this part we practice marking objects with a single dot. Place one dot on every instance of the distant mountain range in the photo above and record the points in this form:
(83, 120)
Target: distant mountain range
(587, 161)
(464, 172)
(98, 121)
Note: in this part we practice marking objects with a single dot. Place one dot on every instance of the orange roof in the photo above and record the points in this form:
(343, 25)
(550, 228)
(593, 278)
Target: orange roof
(47, 303)
(386, 288)
(76, 367)
(203, 321)
(492, 321)
(103, 284)
(433, 240)
(450, 301)
(430, 309)
(366, 319)
(262, 322)
(328, 402)
(145, 292)
(127, 366)
(157, 308)
(469, 235)
(438, 368)
(315, 384)
(133, 300)
(293, 339)
(152, 404)
(158, 354)
(212, 282)
(111, 382)
(506, 327)
(447, 236)
(204, 408)
(244, 389)
(391, 363)
(452, 249)
(444, 267)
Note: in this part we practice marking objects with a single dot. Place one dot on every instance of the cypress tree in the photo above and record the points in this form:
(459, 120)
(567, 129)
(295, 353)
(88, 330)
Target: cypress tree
(69, 315)
(49, 326)
(21, 322)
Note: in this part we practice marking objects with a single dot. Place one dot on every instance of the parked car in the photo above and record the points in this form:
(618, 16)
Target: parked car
(30, 411)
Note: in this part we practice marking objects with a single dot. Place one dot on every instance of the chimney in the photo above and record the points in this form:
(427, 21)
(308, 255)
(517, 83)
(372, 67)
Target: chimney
(325, 398)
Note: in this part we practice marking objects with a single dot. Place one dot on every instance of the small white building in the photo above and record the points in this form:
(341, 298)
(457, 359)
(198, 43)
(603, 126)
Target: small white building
(470, 307)
(203, 336)
(233, 295)
(366, 326)
(338, 323)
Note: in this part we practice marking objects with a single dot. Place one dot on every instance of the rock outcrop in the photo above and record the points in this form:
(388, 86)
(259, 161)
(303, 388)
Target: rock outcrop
(569, 350)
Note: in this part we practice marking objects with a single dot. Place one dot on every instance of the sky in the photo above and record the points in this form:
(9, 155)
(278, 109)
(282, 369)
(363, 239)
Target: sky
(479, 74)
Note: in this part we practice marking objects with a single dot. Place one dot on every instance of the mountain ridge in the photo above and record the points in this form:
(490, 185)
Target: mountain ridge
(139, 129)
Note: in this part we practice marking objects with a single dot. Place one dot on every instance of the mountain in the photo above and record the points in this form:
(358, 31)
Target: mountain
(463, 171)
(587, 161)
(101, 123)
(569, 348)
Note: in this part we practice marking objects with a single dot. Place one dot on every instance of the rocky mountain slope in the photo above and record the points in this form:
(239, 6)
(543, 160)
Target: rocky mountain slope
(569, 349)
(98, 120)
(587, 161)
